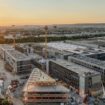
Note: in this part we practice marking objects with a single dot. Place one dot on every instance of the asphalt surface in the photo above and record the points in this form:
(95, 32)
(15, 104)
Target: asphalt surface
(9, 76)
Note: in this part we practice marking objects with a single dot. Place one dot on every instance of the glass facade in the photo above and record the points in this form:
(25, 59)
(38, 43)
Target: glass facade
(24, 66)
(64, 74)
(46, 97)
(84, 83)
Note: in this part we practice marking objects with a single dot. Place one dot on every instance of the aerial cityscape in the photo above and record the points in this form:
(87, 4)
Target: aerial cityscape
(52, 52)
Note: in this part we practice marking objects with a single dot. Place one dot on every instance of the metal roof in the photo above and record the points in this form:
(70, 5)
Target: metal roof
(16, 55)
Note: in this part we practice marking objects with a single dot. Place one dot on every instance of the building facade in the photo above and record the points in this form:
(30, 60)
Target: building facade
(3, 49)
(41, 89)
(17, 62)
(93, 64)
(80, 78)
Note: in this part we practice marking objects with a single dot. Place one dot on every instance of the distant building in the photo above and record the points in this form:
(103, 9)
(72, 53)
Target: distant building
(24, 48)
(41, 89)
(17, 62)
(82, 79)
(11, 36)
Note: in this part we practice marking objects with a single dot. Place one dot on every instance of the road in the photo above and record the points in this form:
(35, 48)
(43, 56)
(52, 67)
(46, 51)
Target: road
(9, 77)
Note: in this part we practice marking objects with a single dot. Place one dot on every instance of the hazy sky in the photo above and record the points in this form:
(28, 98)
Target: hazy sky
(51, 11)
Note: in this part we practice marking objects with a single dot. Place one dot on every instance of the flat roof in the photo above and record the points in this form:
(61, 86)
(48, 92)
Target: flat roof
(6, 47)
(74, 67)
(90, 61)
(66, 47)
(74, 48)
(16, 55)
(38, 76)
(34, 56)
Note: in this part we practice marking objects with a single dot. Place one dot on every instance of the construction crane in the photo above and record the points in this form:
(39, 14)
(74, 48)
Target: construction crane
(14, 45)
(14, 42)
(44, 60)
(45, 51)
(46, 34)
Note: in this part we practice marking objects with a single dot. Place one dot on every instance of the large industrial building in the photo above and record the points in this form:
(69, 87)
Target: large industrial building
(41, 89)
(93, 64)
(74, 48)
(35, 53)
(58, 49)
(17, 62)
(79, 77)
(63, 50)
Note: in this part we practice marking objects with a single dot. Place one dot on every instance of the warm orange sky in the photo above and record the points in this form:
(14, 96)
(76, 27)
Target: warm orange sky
(22, 12)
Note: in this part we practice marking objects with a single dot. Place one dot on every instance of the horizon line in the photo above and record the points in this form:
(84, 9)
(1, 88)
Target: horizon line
(90, 23)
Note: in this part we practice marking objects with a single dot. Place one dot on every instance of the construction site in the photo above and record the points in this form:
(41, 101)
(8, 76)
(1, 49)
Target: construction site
(51, 73)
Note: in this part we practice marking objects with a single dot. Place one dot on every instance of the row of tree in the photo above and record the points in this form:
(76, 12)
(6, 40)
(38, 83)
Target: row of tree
(42, 39)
